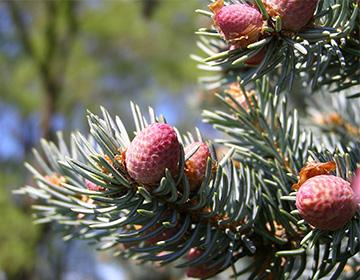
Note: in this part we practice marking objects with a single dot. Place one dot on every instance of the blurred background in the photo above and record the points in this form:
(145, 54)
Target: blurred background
(59, 58)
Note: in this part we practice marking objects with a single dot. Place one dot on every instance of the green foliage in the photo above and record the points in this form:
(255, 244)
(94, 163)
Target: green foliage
(17, 234)
(111, 39)
(144, 42)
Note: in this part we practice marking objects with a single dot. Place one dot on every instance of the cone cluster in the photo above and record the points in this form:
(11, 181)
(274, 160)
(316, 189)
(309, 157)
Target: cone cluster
(156, 149)
(243, 24)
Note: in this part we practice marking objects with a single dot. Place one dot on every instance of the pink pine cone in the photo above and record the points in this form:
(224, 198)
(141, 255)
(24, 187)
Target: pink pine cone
(295, 14)
(152, 151)
(240, 24)
(326, 202)
(195, 166)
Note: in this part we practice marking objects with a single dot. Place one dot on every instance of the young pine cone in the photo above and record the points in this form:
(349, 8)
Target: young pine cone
(152, 151)
(240, 24)
(325, 201)
(295, 14)
(195, 166)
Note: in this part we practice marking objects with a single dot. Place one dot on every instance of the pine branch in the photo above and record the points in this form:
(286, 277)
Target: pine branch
(266, 136)
(324, 52)
(130, 217)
